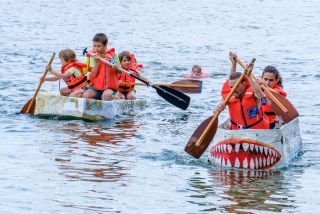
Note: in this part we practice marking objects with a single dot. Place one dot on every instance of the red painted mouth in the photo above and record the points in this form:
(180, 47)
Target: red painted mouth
(244, 153)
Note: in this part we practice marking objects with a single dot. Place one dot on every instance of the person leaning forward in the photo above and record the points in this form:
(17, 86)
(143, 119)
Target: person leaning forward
(245, 104)
(271, 78)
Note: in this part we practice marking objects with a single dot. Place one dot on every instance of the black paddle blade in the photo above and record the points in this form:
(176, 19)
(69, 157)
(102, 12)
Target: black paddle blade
(194, 150)
(84, 51)
(190, 90)
(286, 117)
(173, 96)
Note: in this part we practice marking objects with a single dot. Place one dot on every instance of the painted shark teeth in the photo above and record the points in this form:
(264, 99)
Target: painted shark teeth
(237, 146)
(261, 149)
(251, 155)
(252, 164)
(237, 163)
(228, 163)
(245, 146)
(245, 163)
(251, 147)
(229, 148)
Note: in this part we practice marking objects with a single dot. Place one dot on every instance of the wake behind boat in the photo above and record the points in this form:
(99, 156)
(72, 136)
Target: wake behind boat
(48, 105)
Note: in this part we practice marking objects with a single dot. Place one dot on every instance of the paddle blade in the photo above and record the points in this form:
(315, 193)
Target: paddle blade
(25, 108)
(194, 150)
(173, 96)
(191, 90)
(286, 117)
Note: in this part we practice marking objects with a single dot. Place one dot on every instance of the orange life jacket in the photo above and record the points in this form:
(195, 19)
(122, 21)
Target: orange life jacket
(269, 115)
(127, 78)
(244, 112)
(107, 77)
(73, 82)
(139, 66)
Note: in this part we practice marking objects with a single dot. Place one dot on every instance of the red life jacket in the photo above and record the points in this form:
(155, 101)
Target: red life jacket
(73, 82)
(244, 112)
(139, 66)
(269, 115)
(107, 77)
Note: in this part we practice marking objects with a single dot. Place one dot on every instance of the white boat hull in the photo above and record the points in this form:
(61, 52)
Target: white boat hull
(89, 109)
(256, 149)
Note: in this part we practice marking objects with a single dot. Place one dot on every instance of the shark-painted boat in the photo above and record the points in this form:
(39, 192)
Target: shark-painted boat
(50, 105)
(256, 149)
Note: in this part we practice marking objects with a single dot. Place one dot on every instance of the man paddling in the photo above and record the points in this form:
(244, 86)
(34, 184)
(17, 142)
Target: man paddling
(245, 104)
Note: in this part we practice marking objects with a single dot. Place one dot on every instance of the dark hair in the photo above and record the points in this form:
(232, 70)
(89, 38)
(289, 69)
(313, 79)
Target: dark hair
(197, 66)
(235, 76)
(124, 54)
(273, 70)
(68, 55)
(101, 37)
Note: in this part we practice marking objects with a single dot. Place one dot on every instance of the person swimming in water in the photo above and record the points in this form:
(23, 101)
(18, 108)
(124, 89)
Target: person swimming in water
(196, 73)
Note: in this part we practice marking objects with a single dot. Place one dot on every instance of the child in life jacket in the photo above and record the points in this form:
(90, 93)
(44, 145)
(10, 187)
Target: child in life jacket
(129, 63)
(72, 74)
(271, 77)
(103, 78)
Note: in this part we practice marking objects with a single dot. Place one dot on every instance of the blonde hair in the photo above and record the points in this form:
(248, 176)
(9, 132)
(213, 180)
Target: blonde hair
(68, 55)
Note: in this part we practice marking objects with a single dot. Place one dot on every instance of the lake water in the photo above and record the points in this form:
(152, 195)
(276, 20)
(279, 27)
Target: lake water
(136, 163)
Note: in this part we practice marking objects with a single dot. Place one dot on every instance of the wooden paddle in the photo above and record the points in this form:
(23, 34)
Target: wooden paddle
(278, 103)
(189, 82)
(185, 86)
(203, 135)
(29, 107)
(171, 95)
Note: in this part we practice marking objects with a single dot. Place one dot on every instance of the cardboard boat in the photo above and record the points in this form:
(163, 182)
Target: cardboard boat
(50, 105)
(256, 149)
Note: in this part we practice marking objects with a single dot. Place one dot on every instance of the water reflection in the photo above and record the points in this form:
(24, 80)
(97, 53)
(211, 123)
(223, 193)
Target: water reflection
(235, 191)
(93, 153)
(102, 136)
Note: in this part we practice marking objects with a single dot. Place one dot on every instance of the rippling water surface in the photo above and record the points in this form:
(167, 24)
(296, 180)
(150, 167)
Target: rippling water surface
(136, 163)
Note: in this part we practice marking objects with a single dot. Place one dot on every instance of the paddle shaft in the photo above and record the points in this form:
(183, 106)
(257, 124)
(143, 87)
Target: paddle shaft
(163, 84)
(266, 89)
(40, 84)
(234, 88)
(120, 69)
(134, 76)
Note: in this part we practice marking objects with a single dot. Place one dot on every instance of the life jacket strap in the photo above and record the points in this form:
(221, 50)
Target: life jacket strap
(78, 83)
(270, 113)
(246, 127)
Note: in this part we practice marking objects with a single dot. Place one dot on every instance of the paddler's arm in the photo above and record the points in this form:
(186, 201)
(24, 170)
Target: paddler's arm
(258, 93)
(95, 67)
(220, 107)
(143, 77)
(232, 57)
(54, 78)
(117, 64)
(56, 74)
